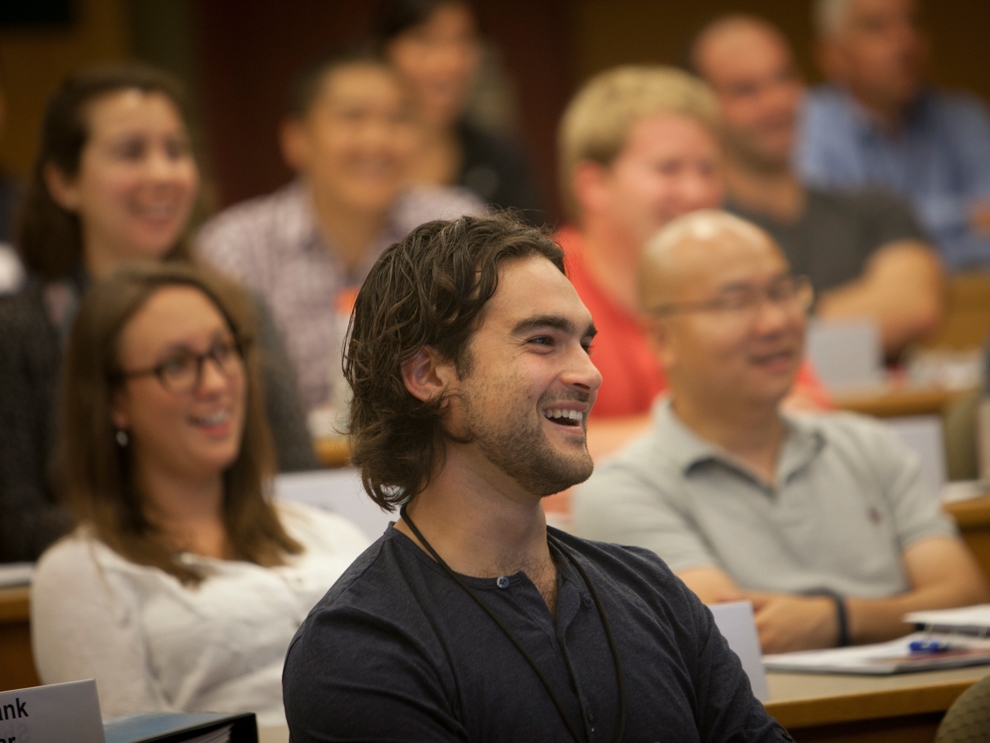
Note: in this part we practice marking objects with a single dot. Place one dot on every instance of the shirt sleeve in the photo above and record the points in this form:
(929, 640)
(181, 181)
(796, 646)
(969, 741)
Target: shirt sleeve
(397, 698)
(888, 217)
(727, 709)
(623, 504)
(84, 624)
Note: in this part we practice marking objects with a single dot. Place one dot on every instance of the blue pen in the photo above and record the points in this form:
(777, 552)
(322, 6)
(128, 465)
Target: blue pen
(929, 646)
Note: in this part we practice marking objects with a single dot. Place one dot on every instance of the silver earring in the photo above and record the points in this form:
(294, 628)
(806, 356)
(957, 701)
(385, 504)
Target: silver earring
(122, 438)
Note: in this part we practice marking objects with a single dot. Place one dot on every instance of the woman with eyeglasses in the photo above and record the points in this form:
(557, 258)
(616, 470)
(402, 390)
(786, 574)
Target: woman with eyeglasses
(183, 584)
(115, 180)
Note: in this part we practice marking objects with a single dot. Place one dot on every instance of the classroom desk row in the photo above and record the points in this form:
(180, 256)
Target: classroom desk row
(814, 707)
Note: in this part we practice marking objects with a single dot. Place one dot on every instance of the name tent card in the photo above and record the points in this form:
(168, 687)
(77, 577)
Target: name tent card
(58, 713)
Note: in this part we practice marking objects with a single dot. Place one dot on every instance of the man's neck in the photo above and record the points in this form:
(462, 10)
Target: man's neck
(351, 232)
(612, 256)
(754, 434)
(482, 524)
(773, 191)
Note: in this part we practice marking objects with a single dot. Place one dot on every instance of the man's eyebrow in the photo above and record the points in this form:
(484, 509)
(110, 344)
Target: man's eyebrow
(555, 322)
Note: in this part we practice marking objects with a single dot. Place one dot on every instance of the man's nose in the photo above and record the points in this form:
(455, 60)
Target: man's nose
(582, 372)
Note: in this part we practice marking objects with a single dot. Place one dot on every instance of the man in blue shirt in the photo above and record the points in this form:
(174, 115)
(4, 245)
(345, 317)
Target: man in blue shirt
(470, 619)
(877, 122)
(862, 249)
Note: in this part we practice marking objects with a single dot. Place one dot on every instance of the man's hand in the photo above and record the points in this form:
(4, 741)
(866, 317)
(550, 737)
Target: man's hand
(786, 622)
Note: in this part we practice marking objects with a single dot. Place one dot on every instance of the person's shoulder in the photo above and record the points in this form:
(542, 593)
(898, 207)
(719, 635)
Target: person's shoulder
(426, 202)
(369, 583)
(626, 565)
(865, 201)
(319, 529)
(74, 557)
(952, 103)
(22, 310)
(252, 215)
(861, 436)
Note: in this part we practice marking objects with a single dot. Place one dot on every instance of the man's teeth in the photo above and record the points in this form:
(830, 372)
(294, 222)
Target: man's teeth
(214, 419)
(574, 415)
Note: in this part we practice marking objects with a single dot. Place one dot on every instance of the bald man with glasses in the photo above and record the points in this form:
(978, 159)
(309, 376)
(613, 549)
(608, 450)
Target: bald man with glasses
(821, 520)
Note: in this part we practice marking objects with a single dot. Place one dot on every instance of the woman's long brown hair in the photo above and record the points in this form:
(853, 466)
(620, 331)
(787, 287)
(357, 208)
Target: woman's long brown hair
(100, 484)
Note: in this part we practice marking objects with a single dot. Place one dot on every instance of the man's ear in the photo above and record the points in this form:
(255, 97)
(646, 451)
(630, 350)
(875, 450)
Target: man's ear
(588, 181)
(427, 375)
(292, 138)
(63, 189)
(658, 335)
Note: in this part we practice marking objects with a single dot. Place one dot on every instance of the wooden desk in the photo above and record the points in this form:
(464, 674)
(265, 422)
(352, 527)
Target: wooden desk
(891, 403)
(832, 707)
(973, 518)
(16, 662)
(814, 707)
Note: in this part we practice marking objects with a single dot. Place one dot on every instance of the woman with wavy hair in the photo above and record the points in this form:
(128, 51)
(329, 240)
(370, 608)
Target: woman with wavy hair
(115, 180)
(183, 583)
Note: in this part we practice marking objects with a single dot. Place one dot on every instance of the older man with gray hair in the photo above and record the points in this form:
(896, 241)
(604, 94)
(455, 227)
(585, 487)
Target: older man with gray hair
(877, 122)
(821, 520)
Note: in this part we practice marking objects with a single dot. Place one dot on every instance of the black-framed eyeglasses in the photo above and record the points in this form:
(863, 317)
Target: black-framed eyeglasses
(793, 293)
(182, 372)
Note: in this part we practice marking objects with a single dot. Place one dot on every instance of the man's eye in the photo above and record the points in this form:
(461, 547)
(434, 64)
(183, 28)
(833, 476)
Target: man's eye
(588, 346)
(542, 340)
(735, 300)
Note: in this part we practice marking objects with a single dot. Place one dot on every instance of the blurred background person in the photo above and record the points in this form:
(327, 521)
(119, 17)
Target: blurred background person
(877, 121)
(823, 521)
(11, 271)
(184, 583)
(638, 147)
(306, 247)
(862, 250)
(115, 180)
(437, 47)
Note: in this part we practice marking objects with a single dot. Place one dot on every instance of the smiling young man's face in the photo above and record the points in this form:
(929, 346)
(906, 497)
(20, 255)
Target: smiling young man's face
(529, 382)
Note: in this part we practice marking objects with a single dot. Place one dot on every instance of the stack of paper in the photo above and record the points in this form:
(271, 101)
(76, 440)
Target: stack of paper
(970, 620)
(887, 657)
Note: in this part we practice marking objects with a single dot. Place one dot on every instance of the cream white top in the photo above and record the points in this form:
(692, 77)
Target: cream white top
(153, 644)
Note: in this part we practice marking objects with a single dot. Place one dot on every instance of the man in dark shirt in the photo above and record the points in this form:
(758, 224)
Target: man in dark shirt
(862, 249)
(470, 619)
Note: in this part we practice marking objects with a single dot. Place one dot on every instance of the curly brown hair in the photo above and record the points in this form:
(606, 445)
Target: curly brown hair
(428, 290)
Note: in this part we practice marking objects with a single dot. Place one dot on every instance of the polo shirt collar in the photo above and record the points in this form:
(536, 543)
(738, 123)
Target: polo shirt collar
(804, 440)
(866, 128)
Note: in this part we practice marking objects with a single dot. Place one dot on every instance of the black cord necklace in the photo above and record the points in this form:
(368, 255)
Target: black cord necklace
(518, 645)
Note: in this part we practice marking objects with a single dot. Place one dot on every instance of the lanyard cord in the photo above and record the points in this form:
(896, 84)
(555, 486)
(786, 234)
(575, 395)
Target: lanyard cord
(518, 645)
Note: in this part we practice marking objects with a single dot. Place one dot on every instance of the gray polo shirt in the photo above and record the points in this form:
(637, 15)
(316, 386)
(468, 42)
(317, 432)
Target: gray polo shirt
(847, 501)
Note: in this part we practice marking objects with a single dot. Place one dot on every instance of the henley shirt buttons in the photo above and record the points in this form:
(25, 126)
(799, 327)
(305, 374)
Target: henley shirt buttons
(502, 581)
(588, 713)
(586, 599)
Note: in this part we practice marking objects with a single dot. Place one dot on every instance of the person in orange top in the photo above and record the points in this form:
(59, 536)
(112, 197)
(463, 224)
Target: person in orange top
(638, 147)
